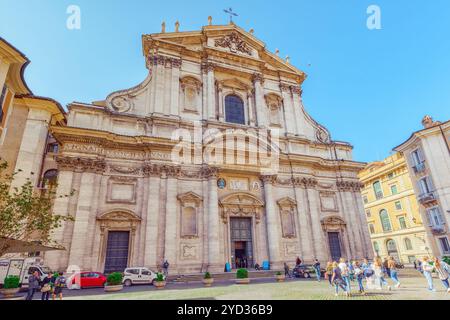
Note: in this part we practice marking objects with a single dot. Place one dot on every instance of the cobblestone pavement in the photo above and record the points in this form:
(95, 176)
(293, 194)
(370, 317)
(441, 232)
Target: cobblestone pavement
(413, 288)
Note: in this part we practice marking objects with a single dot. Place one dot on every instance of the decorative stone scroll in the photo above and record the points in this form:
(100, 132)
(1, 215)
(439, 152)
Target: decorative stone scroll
(333, 223)
(241, 205)
(234, 43)
(307, 183)
(349, 186)
(81, 164)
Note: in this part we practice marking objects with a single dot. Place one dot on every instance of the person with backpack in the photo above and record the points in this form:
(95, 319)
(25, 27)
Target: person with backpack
(60, 283)
(166, 268)
(338, 281)
(316, 267)
(392, 265)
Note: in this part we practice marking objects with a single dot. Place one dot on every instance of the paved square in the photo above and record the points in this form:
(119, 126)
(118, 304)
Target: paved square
(413, 288)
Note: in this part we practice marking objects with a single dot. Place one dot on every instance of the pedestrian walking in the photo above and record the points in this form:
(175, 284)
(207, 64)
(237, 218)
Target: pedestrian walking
(345, 272)
(392, 265)
(386, 269)
(415, 264)
(443, 271)
(286, 270)
(359, 275)
(427, 269)
(33, 284)
(379, 270)
(318, 270)
(166, 266)
(46, 287)
(338, 280)
(60, 283)
(329, 272)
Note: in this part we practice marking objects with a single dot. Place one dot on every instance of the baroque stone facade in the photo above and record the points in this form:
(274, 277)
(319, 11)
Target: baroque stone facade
(136, 204)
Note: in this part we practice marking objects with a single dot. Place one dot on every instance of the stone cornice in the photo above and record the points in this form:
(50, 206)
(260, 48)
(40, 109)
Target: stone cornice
(81, 164)
(349, 186)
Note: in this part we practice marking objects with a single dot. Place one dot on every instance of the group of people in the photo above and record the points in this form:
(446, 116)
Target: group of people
(341, 274)
(52, 285)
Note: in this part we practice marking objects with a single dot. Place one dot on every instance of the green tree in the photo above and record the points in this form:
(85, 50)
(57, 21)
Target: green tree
(26, 213)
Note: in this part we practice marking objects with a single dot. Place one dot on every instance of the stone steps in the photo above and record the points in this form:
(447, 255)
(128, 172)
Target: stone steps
(220, 276)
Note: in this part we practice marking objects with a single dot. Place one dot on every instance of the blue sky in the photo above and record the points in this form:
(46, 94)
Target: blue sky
(369, 87)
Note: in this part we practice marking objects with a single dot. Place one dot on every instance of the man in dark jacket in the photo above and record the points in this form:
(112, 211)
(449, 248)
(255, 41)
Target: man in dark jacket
(33, 284)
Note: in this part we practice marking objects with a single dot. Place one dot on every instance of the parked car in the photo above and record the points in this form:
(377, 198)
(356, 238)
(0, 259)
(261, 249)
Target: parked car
(84, 280)
(305, 271)
(140, 275)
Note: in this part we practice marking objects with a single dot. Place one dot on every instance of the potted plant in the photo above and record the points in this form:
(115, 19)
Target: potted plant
(280, 277)
(242, 277)
(11, 287)
(114, 282)
(160, 281)
(208, 279)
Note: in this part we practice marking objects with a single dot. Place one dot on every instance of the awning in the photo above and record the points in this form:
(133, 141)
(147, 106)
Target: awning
(19, 246)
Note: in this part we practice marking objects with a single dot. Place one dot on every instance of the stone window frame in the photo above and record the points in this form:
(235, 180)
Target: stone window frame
(124, 181)
(190, 200)
(328, 194)
(191, 82)
(287, 205)
(273, 101)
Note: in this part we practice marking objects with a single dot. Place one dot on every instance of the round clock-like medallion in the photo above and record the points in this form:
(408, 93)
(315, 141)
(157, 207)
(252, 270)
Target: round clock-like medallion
(221, 183)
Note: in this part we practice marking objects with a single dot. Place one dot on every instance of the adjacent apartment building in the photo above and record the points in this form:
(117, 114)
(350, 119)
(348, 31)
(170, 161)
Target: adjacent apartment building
(395, 224)
(428, 156)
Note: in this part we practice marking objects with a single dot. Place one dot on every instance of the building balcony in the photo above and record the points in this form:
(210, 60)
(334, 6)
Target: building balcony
(438, 230)
(427, 198)
(419, 168)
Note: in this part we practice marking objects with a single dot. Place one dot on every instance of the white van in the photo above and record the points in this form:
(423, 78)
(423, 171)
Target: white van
(138, 275)
(22, 268)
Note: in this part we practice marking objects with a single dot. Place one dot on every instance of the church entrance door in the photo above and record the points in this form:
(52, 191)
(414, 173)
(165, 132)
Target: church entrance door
(241, 243)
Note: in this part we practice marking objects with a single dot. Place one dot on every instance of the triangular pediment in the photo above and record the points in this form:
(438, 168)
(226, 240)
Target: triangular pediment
(229, 39)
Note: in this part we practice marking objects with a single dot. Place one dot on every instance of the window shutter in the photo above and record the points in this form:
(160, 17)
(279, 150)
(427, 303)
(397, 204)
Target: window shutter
(420, 154)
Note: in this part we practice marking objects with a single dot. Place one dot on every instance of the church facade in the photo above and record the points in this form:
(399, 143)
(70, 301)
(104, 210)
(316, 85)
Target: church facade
(211, 160)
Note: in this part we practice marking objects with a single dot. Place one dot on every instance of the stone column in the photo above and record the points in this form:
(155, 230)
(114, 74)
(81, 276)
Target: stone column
(220, 103)
(158, 96)
(261, 109)
(205, 109)
(89, 258)
(289, 114)
(362, 223)
(251, 115)
(273, 223)
(81, 224)
(316, 223)
(57, 260)
(167, 88)
(175, 87)
(298, 111)
(153, 221)
(304, 219)
(346, 211)
(211, 94)
(170, 251)
(32, 147)
(215, 263)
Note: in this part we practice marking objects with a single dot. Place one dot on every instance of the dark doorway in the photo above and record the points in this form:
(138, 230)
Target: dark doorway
(117, 251)
(335, 245)
(241, 243)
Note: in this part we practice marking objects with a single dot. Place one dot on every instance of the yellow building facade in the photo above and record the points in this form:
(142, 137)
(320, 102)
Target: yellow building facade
(395, 224)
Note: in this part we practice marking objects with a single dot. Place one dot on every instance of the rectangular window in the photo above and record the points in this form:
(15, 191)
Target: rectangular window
(402, 223)
(398, 205)
(371, 228)
(391, 175)
(368, 214)
(377, 190)
(394, 189)
(435, 218)
(445, 245)
(366, 201)
(425, 186)
(416, 157)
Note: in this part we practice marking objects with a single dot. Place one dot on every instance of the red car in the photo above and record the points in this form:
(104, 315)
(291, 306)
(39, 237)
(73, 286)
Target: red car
(87, 280)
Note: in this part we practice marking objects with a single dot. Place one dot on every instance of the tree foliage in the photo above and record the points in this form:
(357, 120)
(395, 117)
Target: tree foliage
(26, 213)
